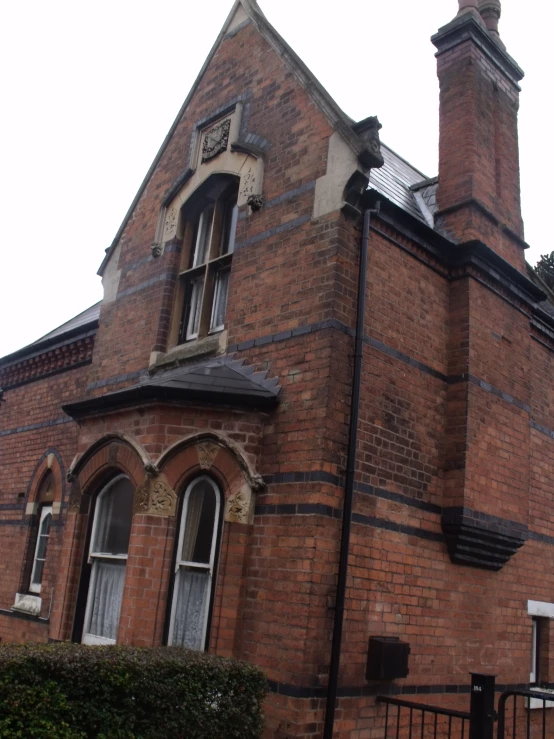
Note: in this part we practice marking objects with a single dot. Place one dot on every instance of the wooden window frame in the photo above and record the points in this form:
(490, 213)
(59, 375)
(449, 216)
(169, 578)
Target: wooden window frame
(199, 289)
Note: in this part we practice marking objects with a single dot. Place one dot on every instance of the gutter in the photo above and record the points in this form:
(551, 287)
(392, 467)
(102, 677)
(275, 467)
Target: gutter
(334, 666)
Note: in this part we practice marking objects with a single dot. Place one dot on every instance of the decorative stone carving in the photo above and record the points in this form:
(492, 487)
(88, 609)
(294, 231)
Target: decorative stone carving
(207, 452)
(256, 202)
(156, 250)
(142, 499)
(368, 131)
(163, 500)
(248, 184)
(215, 139)
(237, 506)
(155, 497)
(170, 223)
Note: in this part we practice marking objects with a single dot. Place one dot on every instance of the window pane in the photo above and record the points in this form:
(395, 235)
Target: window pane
(41, 547)
(199, 530)
(37, 572)
(192, 594)
(109, 579)
(195, 299)
(114, 513)
(203, 236)
(229, 226)
(220, 300)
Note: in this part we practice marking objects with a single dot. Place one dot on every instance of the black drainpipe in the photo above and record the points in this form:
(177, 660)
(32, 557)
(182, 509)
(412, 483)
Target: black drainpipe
(349, 484)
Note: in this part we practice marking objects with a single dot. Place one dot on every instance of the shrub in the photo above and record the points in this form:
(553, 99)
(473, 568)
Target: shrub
(71, 691)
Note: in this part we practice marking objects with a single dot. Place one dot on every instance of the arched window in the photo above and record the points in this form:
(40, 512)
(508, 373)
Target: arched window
(39, 559)
(210, 222)
(45, 497)
(194, 564)
(109, 544)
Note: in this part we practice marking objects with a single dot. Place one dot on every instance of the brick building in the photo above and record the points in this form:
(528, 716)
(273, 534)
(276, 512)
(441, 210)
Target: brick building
(174, 461)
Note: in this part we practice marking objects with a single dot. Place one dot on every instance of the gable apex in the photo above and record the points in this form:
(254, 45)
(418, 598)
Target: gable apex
(242, 13)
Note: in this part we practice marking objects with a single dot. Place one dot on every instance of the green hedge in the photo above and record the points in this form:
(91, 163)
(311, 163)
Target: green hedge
(70, 691)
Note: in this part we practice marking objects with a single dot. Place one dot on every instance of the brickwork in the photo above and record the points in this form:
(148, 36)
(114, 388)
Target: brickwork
(456, 419)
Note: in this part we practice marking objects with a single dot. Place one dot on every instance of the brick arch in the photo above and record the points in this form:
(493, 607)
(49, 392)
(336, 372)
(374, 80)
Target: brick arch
(212, 454)
(113, 452)
(51, 461)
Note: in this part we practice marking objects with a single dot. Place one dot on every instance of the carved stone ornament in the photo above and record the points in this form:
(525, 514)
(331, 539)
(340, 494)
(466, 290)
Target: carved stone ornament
(215, 139)
(170, 223)
(156, 250)
(248, 184)
(237, 506)
(256, 202)
(155, 497)
(207, 452)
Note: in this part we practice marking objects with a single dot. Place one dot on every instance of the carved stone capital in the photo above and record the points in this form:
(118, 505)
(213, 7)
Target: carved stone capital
(156, 250)
(155, 497)
(238, 506)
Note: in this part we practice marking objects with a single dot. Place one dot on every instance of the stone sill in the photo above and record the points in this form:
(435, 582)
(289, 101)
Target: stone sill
(201, 348)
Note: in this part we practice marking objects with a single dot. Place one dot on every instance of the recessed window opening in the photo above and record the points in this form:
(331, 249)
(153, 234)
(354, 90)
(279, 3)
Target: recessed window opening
(111, 530)
(39, 559)
(194, 564)
(209, 242)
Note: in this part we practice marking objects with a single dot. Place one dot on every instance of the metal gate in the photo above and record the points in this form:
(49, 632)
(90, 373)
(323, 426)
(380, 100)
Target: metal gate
(522, 714)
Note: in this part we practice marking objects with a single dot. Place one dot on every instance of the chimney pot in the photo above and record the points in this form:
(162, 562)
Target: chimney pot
(490, 11)
(466, 5)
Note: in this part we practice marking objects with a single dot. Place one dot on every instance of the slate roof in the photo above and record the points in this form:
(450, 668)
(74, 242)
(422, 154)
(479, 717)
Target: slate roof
(90, 315)
(405, 186)
(221, 381)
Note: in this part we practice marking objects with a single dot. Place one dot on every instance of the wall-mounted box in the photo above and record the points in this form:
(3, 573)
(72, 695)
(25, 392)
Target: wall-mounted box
(387, 658)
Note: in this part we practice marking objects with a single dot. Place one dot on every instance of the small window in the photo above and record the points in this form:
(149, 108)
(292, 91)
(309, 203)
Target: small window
(111, 531)
(209, 242)
(39, 559)
(535, 661)
(194, 565)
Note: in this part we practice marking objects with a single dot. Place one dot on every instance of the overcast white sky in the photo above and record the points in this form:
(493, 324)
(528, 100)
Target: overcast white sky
(89, 91)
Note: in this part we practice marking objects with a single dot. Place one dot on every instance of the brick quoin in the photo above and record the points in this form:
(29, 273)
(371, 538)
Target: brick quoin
(452, 513)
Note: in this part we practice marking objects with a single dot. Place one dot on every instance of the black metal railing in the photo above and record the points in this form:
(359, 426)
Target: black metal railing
(522, 714)
(407, 720)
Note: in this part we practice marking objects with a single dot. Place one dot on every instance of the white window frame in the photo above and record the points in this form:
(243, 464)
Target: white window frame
(46, 510)
(201, 566)
(93, 558)
(538, 610)
(217, 298)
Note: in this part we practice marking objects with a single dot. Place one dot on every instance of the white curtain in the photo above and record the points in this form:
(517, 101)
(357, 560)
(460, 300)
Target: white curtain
(109, 579)
(192, 593)
(194, 509)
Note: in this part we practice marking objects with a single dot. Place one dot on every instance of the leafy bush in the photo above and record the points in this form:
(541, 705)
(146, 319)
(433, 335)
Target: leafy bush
(71, 691)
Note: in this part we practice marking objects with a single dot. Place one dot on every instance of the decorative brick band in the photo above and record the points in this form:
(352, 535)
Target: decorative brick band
(373, 689)
(35, 426)
(48, 362)
(295, 223)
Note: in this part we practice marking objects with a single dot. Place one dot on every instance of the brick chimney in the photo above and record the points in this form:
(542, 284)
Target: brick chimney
(478, 193)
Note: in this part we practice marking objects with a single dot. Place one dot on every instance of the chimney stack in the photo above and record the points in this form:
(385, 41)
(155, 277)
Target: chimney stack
(478, 192)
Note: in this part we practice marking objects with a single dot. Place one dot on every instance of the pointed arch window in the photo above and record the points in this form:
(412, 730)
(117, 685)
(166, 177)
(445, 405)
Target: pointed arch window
(39, 559)
(194, 564)
(209, 241)
(109, 545)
